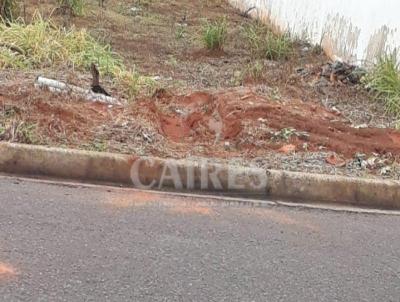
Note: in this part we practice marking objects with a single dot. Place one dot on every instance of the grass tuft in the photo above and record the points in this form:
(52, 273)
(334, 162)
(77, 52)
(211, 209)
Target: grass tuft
(132, 83)
(265, 44)
(255, 70)
(27, 133)
(214, 34)
(8, 10)
(384, 81)
(77, 6)
(41, 44)
(15, 130)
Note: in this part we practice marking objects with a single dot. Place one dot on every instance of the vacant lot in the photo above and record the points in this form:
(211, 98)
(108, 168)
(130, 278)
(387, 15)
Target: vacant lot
(229, 102)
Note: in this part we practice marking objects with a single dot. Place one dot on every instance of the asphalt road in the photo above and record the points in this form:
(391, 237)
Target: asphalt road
(61, 243)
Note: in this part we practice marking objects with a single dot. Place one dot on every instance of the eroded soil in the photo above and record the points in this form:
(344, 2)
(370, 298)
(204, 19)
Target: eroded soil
(208, 104)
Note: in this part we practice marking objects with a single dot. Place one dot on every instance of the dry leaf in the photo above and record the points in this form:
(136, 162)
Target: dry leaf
(287, 149)
(334, 160)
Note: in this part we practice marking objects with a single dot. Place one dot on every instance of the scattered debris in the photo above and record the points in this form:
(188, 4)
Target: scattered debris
(341, 72)
(362, 126)
(135, 11)
(286, 133)
(60, 87)
(302, 71)
(385, 171)
(246, 13)
(256, 119)
(382, 164)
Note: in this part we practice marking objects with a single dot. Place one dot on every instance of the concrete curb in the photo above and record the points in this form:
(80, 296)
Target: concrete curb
(206, 177)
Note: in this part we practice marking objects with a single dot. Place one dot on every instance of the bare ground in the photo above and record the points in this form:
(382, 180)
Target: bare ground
(210, 105)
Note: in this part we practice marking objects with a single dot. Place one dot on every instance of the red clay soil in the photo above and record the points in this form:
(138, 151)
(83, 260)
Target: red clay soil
(201, 117)
(53, 114)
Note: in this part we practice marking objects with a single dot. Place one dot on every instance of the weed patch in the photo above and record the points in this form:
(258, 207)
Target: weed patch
(42, 44)
(255, 70)
(384, 81)
(76, 6)
(19, 131)
(8, 10)
(214, 34)
(27, 133)
(265, 44)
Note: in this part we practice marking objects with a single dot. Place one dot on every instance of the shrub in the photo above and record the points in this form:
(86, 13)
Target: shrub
(214, 34)
(384, 81)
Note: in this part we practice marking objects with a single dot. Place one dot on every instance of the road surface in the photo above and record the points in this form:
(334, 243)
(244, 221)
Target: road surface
(66, 243)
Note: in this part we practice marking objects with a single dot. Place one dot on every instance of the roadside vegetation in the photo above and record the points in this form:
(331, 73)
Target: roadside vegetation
(215, 67)
(8, 10)
(214, 34)
(384, 81)
(255, 70)
(265, 44)
(41, 44)
(76, 6)
(17, 130)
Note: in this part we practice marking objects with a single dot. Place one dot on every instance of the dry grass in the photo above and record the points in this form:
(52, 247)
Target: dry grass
(77, 6)
(8, 10)
(266, 44)
(41, 44)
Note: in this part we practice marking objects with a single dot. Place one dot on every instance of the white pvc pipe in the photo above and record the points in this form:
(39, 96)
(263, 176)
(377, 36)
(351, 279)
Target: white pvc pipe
(61, 87)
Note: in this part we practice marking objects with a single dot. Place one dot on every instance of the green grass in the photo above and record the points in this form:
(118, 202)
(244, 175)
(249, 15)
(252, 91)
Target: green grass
(284, 134)
(214, 34)
(384, 81)
(180, 32)
(97, 145)
(27, 133)
(255, 70)
(265, 44)
(77, 6)
(8, 9)
(41, 45)
(19, 131)
(133, 83)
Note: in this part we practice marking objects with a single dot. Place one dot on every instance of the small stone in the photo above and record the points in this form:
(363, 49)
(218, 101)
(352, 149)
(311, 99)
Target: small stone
(362, 126)
(385, 171)
(227, 145)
